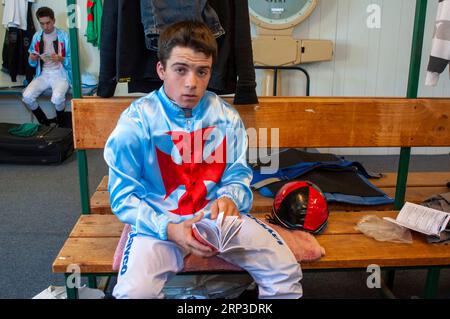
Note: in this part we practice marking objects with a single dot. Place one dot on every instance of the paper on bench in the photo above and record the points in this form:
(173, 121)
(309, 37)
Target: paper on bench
(421, 219)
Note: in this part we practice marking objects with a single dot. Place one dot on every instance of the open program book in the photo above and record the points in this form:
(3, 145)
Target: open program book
(422, 219)
(44, 56)
(218, 234)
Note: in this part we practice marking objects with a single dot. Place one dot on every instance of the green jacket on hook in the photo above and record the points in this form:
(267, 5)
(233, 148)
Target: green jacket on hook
(94, 21)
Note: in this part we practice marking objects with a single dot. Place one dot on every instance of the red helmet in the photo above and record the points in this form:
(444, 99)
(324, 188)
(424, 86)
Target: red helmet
(300, 205)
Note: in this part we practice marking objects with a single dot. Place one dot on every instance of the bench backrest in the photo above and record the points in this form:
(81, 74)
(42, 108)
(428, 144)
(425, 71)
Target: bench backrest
(303, 122)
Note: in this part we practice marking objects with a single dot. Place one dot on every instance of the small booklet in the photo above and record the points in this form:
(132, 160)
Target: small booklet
(44, 56)
(421, 219)
(218, 234)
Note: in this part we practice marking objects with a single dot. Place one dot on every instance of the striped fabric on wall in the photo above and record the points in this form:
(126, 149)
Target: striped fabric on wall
(440, 51)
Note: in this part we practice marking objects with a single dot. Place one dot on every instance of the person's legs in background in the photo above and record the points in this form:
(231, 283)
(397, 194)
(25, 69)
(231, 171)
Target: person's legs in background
(30, 95)
(59, 85)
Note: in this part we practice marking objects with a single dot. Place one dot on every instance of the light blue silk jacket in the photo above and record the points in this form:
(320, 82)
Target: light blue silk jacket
(167, 163)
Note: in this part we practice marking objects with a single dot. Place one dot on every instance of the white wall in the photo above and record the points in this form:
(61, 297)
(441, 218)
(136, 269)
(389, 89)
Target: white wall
(367, 62)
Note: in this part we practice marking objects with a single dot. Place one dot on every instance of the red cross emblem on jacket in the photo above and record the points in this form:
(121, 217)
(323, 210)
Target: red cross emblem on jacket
(194, 170)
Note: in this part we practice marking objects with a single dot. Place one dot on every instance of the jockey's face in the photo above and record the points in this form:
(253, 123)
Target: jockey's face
(185, 75)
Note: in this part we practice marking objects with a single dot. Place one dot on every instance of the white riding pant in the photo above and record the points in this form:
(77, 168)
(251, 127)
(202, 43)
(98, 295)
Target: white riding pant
(148, 263)
(54, 79)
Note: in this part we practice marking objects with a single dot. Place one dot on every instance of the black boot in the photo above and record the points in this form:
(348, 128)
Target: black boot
(41, 117)
(60, 121)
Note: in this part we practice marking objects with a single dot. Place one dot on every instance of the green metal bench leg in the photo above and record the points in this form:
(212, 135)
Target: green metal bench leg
(389, 279)
(386, 292)
(92, 281)
(84, 185)
(432, 283)
(72, 293)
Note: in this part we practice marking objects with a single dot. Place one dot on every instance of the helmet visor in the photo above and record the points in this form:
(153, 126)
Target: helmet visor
(292, 211)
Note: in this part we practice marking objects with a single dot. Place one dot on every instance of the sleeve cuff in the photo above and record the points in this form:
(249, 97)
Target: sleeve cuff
(163, 229)
(32, 63)
(231, 198)
(432, 79)
(151, 224)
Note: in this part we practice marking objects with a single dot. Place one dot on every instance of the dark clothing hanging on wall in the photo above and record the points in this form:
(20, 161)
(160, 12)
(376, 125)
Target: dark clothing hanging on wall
(107, 74)
(15, 50)
(5, 54)
(234, 72)
(136, 64)
(124, 57)
(158, 14)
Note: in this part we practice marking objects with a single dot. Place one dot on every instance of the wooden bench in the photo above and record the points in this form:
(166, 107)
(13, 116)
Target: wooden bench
(420, 186)
(303, 122)
(93, 240)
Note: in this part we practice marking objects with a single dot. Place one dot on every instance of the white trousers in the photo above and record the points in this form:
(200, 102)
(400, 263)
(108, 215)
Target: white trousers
(54, 79)
(148, 263)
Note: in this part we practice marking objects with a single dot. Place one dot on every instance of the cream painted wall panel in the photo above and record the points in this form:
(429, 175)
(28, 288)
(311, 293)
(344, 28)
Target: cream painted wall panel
(342, 47)
(357, 59)
(322, 83)
(403, 52)
(314, 32)
(373, 47)
(390, 35)
(294, 82)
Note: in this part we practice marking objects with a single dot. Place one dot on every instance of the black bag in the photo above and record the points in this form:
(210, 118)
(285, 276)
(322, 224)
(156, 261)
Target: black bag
(51, 145)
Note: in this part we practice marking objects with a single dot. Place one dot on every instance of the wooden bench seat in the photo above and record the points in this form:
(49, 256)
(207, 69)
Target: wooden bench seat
(421, 185)
(94, 238)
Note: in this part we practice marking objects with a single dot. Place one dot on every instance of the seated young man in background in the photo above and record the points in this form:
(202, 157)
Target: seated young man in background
(50, 54)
